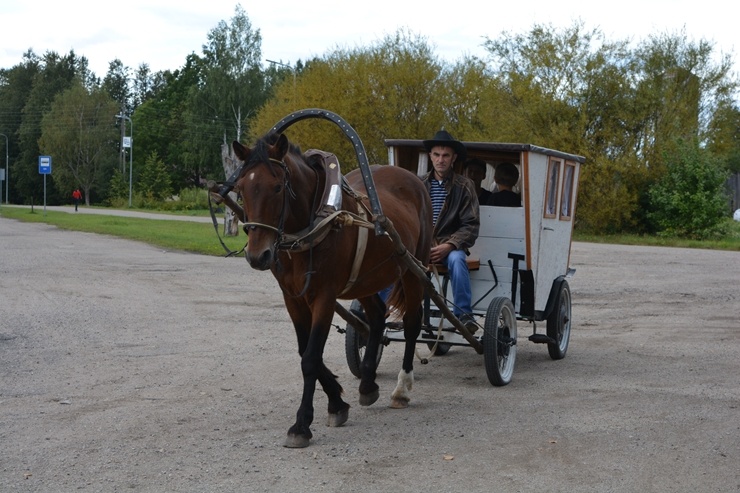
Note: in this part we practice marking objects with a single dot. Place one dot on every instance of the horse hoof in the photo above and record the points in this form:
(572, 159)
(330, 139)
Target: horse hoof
(399, 403)
(296, 441)
(338, 419)
(369, 399)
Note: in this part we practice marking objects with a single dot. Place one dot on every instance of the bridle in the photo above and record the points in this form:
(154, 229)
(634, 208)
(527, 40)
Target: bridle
(290, 242)
(288, 193)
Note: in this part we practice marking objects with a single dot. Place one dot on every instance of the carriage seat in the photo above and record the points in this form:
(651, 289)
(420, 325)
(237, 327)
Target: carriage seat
(473, 263)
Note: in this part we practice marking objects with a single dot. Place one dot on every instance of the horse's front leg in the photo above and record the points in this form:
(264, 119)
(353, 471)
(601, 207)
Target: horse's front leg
(300, 433)
(338, 410)
(312, 330)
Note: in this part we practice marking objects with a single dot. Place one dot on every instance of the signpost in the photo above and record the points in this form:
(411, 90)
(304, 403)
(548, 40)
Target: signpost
(45, 169)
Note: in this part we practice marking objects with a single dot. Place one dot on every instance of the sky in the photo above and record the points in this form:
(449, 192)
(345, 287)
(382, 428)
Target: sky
(162, 33)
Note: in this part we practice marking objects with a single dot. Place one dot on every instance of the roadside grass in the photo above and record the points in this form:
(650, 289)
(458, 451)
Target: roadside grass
(171, 235)
(201, 237)
(731, 241)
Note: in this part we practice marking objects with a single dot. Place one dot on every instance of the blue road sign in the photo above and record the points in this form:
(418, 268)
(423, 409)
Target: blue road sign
(45, 165)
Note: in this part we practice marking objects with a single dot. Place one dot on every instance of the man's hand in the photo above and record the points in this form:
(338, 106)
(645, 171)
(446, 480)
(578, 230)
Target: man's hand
(440, 252)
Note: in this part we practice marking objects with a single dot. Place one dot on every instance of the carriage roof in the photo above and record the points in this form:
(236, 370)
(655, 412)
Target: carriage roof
(492, 147)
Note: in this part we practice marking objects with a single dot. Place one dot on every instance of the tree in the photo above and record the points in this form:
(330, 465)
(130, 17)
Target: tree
(724, 140)
(144, 86)
(118, 189)
(388, 90)
(620, 107)
(469, 98)
(79, 134)
(154, 181)
(116, 84)
(232, 89)
(15, 90)
(159, 123)
(690, 198)
(55, 74)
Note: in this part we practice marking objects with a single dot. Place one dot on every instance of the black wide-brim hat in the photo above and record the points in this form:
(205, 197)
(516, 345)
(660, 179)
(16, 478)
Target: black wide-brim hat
(443, 138)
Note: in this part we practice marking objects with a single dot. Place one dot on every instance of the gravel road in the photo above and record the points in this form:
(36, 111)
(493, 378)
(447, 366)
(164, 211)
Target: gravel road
(124, 367)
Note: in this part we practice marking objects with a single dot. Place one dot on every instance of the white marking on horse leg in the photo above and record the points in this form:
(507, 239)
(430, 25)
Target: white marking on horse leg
(401, 394)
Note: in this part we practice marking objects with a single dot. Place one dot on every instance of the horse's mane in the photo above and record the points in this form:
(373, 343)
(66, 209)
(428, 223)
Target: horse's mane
(260, 151)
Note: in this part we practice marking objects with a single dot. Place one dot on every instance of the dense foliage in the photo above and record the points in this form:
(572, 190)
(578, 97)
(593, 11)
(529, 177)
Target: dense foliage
(689, 199)
(649, 118)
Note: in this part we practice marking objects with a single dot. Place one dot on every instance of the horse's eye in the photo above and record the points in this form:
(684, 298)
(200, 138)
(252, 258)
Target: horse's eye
(278, 188)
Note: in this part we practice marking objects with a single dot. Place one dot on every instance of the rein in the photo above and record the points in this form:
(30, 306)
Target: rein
(229, 252)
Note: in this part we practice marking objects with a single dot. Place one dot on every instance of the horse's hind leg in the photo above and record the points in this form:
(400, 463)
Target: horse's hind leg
(375, 317)
(338, 409)
(411, 328)
(402, 393)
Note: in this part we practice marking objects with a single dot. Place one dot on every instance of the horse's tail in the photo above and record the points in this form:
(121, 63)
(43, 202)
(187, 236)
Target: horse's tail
(396, 302)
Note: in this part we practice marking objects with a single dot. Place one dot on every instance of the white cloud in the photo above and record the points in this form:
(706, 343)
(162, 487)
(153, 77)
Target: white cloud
(163, 33)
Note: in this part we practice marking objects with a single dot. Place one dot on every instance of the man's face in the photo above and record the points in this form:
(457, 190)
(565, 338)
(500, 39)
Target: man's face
(442, 159)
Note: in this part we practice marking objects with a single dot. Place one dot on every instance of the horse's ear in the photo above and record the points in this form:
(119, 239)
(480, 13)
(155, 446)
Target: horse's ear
(282, 145)
(240, 151)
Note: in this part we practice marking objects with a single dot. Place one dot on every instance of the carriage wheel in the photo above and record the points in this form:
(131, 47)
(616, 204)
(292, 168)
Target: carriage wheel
(499, 341)
(558, 324)
(354, 343)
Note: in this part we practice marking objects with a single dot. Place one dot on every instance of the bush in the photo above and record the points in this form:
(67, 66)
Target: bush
(690, 199)
(189, 199)
(606, 202)
(154, 181)
(117, 189)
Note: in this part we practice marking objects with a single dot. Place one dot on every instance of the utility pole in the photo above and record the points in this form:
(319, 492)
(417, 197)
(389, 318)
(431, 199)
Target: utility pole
(130, 155)
(122, 157)
(6, 169)
(286, 66)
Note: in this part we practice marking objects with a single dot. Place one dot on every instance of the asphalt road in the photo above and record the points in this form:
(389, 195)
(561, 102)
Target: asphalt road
(124, 367)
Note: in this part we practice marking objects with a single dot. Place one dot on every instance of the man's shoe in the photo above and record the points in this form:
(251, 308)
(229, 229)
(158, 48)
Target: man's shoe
(469, 322)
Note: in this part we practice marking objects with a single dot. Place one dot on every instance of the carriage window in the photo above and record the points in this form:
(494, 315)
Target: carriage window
(423, 166)
(567, 200)
(551, 194)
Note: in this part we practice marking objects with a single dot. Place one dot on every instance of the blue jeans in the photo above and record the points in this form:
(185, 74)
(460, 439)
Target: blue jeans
(457, 271)
(385, 292)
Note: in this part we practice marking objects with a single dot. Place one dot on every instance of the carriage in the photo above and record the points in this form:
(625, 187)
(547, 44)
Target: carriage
(311, 227)
(519, 265)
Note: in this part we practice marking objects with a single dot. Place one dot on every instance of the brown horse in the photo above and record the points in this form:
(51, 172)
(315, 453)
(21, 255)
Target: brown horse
(282, 192)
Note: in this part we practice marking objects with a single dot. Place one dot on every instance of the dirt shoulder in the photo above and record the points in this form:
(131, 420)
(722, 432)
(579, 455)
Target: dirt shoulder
(128, 368)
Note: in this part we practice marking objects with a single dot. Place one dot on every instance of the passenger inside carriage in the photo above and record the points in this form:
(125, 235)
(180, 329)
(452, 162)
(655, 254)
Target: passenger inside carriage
(475, 169)
(506, 177)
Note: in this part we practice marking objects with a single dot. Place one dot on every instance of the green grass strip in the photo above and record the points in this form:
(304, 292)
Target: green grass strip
(170, 235)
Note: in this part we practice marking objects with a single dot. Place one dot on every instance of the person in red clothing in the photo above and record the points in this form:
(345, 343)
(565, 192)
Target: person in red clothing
(76, 197)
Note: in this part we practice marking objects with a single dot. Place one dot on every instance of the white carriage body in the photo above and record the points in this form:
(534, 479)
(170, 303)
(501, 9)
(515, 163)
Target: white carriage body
(535, 237)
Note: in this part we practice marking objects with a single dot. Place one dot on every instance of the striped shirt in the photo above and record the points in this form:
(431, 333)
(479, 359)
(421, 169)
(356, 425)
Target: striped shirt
(438, 194)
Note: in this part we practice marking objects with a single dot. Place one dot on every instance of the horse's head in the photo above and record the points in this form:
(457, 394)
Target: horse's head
(265, 188)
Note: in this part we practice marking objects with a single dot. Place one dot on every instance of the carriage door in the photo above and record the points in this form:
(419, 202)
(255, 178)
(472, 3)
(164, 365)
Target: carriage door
(554, 241)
